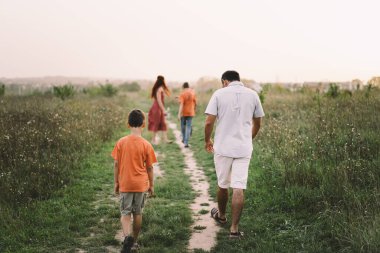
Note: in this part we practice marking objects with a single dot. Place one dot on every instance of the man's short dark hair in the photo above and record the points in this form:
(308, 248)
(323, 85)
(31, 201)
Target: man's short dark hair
(136, 118)
(185, 85)
(231, 75)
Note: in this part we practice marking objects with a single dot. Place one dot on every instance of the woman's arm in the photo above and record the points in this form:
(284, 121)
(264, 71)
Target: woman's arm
(159, 99)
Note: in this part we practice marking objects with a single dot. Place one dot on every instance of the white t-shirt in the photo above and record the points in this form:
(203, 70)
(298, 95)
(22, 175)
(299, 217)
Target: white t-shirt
(234, 107)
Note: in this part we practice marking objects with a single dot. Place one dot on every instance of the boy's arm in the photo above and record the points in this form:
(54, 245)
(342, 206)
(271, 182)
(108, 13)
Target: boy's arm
(151, 183)
(116, 176)
(180, 110)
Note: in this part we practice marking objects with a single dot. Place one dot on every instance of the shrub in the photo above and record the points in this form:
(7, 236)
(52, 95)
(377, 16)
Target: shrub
(264, 92)
(368, 90)
(333, 90)
(2, 89)
(108, 90)
(64, 92)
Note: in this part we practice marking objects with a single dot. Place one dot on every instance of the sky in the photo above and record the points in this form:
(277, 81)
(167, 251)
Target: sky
(264, 40)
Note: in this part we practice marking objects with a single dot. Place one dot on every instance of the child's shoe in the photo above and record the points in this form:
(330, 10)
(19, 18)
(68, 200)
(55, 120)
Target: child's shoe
(127, 244)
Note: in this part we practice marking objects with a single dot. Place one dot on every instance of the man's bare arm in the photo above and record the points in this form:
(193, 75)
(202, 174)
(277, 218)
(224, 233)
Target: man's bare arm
(209, 126)
(256, 124)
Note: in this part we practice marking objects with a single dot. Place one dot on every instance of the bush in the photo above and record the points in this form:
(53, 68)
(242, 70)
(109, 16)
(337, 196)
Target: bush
(108, 90)
(368, 89)
(2, 89)
(333, 90)
(64, 92)
(264, 92)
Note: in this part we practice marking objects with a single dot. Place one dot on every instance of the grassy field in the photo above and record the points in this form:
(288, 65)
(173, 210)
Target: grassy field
(313, 185)
(314, 177)
(58, 197)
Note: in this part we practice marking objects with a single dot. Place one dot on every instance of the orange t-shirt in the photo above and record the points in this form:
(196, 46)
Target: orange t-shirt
(134, 155)
(188, 99)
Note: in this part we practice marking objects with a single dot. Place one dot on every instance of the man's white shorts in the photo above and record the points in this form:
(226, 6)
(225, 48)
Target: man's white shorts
(231, 172)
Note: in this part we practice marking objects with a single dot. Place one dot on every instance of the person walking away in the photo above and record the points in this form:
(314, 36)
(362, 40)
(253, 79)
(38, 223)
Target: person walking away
(133, 177)
(238, 113)
(157, 113)
(186, 112)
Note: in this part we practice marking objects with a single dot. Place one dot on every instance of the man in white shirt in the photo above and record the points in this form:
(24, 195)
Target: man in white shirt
(237, 111)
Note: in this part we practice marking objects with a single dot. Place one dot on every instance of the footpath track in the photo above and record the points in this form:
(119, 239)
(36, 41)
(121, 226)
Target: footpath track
(204, 229)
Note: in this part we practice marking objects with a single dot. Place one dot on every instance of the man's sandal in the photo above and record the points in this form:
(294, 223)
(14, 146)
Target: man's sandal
(236, 235)
(215, 216)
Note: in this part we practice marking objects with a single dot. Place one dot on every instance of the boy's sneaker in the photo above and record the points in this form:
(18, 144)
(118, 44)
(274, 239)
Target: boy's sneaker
(136, 247)
(127, 244)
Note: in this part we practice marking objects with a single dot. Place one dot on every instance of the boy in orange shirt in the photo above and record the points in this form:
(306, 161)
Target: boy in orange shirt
(133, 175)
(186, 112)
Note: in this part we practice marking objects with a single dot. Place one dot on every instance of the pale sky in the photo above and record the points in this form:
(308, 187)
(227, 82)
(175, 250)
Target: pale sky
(265, 40)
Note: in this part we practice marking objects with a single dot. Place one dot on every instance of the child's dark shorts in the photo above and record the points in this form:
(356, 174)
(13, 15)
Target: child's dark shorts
(132, 202)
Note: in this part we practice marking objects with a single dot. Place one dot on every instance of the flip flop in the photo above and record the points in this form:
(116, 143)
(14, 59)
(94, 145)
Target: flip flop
(236, 235)
(215, 215)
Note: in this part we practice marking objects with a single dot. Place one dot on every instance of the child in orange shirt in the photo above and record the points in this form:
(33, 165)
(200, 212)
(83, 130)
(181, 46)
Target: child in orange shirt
(133, 175)
(186, 112)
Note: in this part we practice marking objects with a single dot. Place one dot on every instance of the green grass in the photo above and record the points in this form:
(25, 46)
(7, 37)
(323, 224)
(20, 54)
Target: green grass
(66, 221)
(314, 180)
(313, 184)
(82, 215)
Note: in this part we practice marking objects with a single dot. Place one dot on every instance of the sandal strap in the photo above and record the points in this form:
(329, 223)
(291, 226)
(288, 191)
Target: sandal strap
(237, 234)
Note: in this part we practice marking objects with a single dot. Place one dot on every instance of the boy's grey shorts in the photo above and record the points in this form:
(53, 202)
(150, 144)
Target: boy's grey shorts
(132, 202)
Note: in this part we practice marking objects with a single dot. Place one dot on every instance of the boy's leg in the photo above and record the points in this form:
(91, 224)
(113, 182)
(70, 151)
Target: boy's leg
(188, 121)
(138, 205)
(137, 221)
(126, 224)
(183, 128)
(126, 200)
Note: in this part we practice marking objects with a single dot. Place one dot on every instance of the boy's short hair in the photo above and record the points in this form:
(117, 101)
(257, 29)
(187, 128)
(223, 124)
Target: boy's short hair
(185, 85)
(231, 75)
(136, 118)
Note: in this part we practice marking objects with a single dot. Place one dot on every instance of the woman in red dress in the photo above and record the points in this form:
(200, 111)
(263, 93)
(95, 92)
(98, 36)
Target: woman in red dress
(157, 113)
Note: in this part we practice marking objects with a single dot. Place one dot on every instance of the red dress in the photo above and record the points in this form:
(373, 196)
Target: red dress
(156, 118)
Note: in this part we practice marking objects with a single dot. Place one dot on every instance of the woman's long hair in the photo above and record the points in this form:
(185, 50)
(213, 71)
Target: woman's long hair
(159, 82)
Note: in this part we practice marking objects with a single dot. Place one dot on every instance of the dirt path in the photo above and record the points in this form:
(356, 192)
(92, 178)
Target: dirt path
(204, 228)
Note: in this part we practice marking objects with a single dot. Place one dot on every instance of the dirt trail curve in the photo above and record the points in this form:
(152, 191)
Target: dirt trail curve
(205, 229)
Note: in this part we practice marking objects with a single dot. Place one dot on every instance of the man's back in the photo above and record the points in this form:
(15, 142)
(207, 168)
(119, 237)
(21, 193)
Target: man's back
(234, 106)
